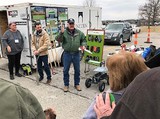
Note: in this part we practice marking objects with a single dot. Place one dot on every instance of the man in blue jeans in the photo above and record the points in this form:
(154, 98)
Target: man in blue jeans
(40, 41)
(71, 39)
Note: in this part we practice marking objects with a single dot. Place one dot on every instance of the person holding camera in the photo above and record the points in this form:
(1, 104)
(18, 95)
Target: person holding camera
(122, 69)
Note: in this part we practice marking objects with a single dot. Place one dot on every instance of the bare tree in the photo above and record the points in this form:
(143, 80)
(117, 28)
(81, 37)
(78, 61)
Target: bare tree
(150, 11)
(89, 3)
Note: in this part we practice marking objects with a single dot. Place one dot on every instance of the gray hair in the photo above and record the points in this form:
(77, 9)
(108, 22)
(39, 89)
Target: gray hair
(10, 23)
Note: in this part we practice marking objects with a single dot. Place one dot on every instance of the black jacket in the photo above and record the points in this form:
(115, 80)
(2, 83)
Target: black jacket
(141, 99)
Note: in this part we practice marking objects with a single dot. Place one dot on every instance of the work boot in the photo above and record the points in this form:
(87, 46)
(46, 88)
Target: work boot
(40, 79)
(11, 77)
(78, 88)
(18, 75)
(48, 81)
(66, 88)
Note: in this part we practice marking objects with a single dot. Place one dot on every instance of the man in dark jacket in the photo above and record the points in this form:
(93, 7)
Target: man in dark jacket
(140, 100)
(71, 39)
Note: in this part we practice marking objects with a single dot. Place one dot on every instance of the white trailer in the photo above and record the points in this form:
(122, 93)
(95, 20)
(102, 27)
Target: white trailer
(25, 14)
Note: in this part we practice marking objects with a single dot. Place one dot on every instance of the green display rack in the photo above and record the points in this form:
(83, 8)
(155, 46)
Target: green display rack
(95, 43)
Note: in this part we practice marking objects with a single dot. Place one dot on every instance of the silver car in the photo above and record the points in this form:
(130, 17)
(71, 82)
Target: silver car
(118, 32)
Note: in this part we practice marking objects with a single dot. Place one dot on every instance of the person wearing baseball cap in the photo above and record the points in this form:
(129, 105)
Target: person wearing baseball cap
(71, 21)
(72, 39)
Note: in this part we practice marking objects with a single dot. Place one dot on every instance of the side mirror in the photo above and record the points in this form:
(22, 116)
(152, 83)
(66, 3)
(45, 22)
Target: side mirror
(124, 29)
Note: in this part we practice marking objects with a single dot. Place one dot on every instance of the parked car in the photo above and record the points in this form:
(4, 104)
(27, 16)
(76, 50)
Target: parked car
(157, 23)
(118, 32)
(135, 28)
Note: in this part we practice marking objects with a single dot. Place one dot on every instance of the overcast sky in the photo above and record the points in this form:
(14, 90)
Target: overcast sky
(111, 9)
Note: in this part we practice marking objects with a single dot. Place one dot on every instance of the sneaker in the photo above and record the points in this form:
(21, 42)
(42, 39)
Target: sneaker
(18, 75)
(66, 88)
(48, 81)
(78, 88)
(11, 77)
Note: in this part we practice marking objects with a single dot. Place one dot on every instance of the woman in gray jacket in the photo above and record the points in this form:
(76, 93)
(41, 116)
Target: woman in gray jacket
(13, 42)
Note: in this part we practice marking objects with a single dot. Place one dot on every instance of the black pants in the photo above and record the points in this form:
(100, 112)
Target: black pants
(14, 60)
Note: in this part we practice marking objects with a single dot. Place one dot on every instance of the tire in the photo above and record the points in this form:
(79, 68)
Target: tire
(101, 86)
(130, 38)
(139, 30)
(120, 42)
(107, 79)
(105, 43)
(88, 82)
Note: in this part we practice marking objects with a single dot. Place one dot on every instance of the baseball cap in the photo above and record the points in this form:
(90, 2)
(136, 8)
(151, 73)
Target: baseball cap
(71, 21)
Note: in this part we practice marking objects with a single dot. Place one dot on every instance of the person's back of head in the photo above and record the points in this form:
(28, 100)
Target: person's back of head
(123, 68)
(50, 113)
(141, 99)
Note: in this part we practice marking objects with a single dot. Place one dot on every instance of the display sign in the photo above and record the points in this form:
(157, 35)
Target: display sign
(62, 14)
(52, 29)
(95, 43)
(13, 13)
(50, 18)
(38, 13)
(51, 13)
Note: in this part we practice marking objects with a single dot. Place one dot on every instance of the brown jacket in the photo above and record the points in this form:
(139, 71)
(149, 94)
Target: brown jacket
(40, 43)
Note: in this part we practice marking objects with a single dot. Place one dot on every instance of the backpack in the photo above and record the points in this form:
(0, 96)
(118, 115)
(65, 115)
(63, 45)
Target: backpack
(154, 61)
(26, 69)
(151, 53)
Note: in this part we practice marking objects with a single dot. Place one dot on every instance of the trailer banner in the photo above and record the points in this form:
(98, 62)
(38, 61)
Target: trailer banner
(51, 13)
(38, 13)
(13, 13)
(62, 14)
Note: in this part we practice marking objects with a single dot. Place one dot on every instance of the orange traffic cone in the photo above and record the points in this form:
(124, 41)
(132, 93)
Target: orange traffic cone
(148, 38)
(135, 40)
